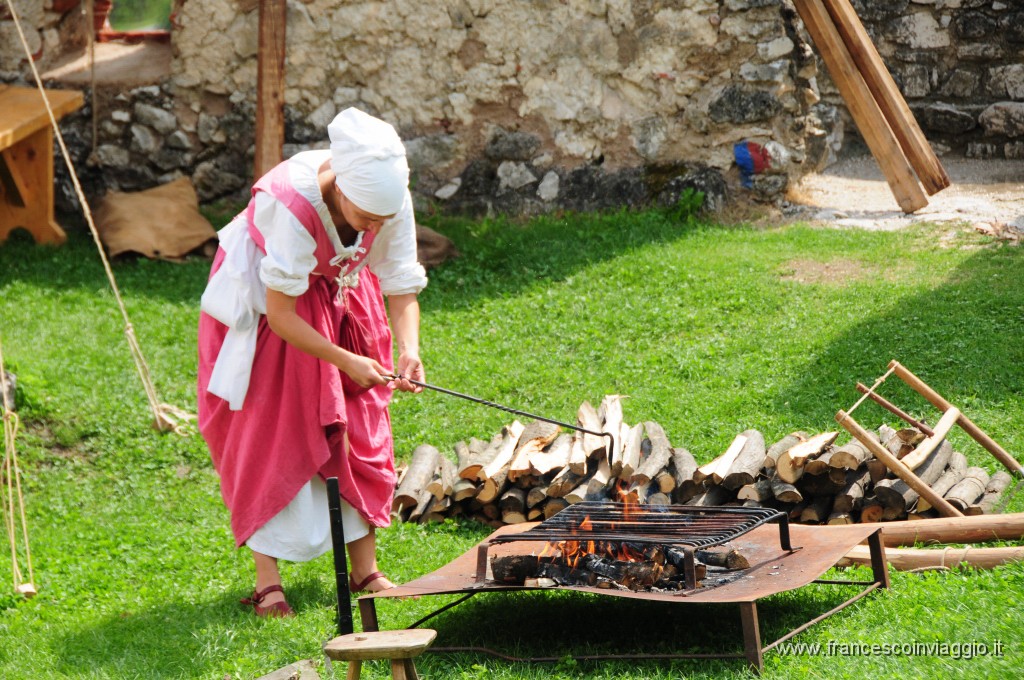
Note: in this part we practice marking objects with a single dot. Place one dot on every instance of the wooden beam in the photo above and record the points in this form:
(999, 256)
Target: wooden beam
(862, 106)
(270, 86)
(889, 98)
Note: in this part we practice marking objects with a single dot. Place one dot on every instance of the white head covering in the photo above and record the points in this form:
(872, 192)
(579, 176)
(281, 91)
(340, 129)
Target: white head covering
(368, 158)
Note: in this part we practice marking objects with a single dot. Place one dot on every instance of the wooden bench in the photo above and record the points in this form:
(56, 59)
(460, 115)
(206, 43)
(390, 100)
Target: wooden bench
(26, 160)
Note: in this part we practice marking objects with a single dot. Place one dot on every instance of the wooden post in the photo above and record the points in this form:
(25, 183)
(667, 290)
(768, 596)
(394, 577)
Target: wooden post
(891, 462)
(865, 111)
(894, 107)
(270, 86)
(963, 421)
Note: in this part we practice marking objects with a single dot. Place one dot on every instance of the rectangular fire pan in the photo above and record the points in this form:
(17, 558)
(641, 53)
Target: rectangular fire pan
(772, 570)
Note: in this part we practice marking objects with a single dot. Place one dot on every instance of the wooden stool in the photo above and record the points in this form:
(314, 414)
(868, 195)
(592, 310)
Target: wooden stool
(400, 646)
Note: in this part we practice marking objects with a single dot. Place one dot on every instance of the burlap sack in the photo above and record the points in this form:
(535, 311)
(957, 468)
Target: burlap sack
(161, 223)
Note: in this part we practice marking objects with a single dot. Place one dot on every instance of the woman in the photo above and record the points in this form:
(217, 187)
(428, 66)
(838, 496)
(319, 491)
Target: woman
(295, 351)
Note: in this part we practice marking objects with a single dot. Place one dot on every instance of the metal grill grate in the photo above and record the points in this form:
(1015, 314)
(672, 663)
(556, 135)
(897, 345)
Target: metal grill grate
(672, 524)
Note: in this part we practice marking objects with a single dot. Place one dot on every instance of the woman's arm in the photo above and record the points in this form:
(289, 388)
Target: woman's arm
(294, 330)
(405, 322)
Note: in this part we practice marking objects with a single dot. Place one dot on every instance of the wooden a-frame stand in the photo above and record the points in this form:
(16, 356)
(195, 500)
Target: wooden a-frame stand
(904, 467)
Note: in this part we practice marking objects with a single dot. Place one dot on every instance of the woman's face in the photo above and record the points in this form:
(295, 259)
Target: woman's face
(357, 218)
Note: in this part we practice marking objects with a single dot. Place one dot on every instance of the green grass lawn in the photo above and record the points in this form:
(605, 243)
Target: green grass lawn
(710, 330)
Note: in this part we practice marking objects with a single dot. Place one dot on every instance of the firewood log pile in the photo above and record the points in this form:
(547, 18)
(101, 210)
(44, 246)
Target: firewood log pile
(530, 472)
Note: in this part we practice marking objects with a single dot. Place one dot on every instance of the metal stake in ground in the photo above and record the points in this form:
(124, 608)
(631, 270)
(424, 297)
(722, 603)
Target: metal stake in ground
(611, 439)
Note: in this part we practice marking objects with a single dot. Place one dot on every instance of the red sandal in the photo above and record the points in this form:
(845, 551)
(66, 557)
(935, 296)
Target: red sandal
(275, 610)
(354, 587)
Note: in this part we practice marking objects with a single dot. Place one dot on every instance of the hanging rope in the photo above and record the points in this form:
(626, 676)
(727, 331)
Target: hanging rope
(165, 416)
(11, 479)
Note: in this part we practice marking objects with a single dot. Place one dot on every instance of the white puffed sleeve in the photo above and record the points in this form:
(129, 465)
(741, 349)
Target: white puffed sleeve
(393, 254)
(291, 249)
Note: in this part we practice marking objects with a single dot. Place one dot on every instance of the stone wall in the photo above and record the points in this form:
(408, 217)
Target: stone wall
(527, 107)
(960, 64)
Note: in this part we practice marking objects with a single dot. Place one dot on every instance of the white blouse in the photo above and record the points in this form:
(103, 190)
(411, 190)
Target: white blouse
(290, 246)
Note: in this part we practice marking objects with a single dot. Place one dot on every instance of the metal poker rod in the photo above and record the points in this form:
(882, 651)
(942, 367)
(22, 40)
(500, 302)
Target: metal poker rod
(460, 395)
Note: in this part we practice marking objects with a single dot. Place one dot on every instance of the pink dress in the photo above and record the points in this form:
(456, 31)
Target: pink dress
(298, 409)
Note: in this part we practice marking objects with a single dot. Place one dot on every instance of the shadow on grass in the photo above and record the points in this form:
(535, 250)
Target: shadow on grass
(499, 257)
(203, 636)
(561, 625)
(962, 338)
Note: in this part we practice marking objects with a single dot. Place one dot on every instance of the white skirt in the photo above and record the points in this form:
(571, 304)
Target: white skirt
(302, 530)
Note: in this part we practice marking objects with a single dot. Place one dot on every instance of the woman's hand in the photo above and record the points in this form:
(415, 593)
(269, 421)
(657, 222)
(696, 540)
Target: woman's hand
(409, 366)
(364, 371)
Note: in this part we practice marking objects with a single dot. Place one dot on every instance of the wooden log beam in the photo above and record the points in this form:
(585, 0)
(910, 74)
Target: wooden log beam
(907, 559)
(891, 462)
(861, 103)
(270, 85)
(888, 97)
(976, 529)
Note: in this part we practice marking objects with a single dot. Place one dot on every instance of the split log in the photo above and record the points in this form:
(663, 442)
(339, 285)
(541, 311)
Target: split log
(424, 501)
(997, 484)
(713, 472)
(851, 496)
(462, 456)
(908, 559)
(598, 486)
(610, 412)
(839, 518)
(819, 465)
(659, 498)
(553, 506)
(657, 460)
(781, 446)
(535, 496)
(513, 506)
(630, 460)
(850, 455)
(969, 489)
(495, 474)
(728, 558)
(683, 468)
(554, 457)
(593, 445)
(759, 491)
(637, 493)
(785, 492)
(745, 467)
(442, 483)
(534, 438)
(820, 485)
(463, 489)
(953, 473)
(564, 482)
(425, 459)
(711, 497)
(817, 511)
(476, 462)
(790, 465)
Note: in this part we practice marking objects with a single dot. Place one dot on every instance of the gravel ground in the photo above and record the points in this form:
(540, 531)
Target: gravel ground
(988, 195)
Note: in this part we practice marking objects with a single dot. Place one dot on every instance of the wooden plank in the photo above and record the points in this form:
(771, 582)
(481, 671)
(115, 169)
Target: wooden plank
(862, 106)
(270, 86)
(894, 107)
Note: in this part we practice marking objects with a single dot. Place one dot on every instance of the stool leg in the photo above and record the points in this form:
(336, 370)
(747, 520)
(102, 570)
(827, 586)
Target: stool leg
(354, 668)
(398, 669)
(410, 670)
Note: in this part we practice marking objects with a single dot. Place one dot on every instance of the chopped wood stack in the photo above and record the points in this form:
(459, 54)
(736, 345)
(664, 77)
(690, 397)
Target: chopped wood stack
(530, 472)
